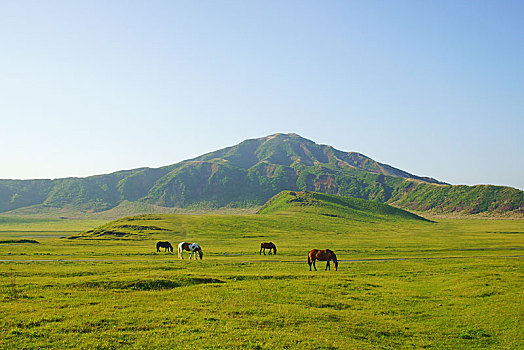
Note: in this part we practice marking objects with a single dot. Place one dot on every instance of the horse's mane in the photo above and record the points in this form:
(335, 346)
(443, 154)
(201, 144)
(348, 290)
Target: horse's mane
(332, 252)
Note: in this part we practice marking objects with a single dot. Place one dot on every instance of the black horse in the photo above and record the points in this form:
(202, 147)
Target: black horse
(165, 245)
(270, 246)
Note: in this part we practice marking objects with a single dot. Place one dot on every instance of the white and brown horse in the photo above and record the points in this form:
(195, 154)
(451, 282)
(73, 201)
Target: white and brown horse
(189, 247)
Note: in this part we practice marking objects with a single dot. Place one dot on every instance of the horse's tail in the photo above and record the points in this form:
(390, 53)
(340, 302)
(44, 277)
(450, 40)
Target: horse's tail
(180, 250)
(309, 259)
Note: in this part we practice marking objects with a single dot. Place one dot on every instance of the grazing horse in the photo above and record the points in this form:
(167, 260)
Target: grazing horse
(165, 245)
(322, 255)
(190, 247)
(269, 246)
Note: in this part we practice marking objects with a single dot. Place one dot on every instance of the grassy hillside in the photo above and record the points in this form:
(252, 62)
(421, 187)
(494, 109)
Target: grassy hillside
(250, 173)
(478, 199)
(333, 206)
(305, 211)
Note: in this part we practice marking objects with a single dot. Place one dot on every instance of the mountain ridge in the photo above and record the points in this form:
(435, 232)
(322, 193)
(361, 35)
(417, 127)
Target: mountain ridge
(352, 159)
(253, 171)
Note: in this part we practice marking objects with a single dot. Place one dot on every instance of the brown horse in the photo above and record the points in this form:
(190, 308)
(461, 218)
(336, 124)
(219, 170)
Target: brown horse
(269, 246)
(322, 255)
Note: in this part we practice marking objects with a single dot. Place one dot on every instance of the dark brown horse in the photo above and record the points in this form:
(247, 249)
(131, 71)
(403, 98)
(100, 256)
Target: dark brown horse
(322, 255)
(269, 245)
(165, 245)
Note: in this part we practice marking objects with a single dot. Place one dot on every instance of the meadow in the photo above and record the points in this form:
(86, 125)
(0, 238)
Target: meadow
(401, 283)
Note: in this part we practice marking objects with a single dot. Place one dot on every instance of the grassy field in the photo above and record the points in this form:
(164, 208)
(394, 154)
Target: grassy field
(402, 283)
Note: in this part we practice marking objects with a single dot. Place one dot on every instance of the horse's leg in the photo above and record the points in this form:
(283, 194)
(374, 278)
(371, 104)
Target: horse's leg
(328, 266)
(313, 261)
(260, 252)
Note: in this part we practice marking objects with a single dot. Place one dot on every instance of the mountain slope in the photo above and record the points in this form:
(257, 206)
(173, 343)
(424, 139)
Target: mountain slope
(255, 170)
(294, 151)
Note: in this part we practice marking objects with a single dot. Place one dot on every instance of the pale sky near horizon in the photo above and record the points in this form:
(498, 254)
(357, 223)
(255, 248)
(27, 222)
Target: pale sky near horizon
(435, 88)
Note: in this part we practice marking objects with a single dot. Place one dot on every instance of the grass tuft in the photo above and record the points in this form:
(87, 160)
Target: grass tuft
(149, 284)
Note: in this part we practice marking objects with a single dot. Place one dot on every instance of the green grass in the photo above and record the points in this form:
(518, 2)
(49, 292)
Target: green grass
(458, 286)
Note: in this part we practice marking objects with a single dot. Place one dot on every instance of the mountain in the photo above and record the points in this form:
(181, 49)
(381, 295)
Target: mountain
(252, 172)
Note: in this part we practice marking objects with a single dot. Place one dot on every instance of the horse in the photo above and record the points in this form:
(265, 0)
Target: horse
(190, 247)
(269, 246)
(165, 245)
(322, 255)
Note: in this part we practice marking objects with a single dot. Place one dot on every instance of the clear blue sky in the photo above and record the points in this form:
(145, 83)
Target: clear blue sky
(435, 88)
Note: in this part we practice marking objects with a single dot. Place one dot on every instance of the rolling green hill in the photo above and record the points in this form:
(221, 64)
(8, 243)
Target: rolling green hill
(333, 206)
(296, 211)
(250, 173)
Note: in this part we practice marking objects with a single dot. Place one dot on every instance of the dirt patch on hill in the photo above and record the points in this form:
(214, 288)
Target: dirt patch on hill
(142, 228)
(303, 199)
